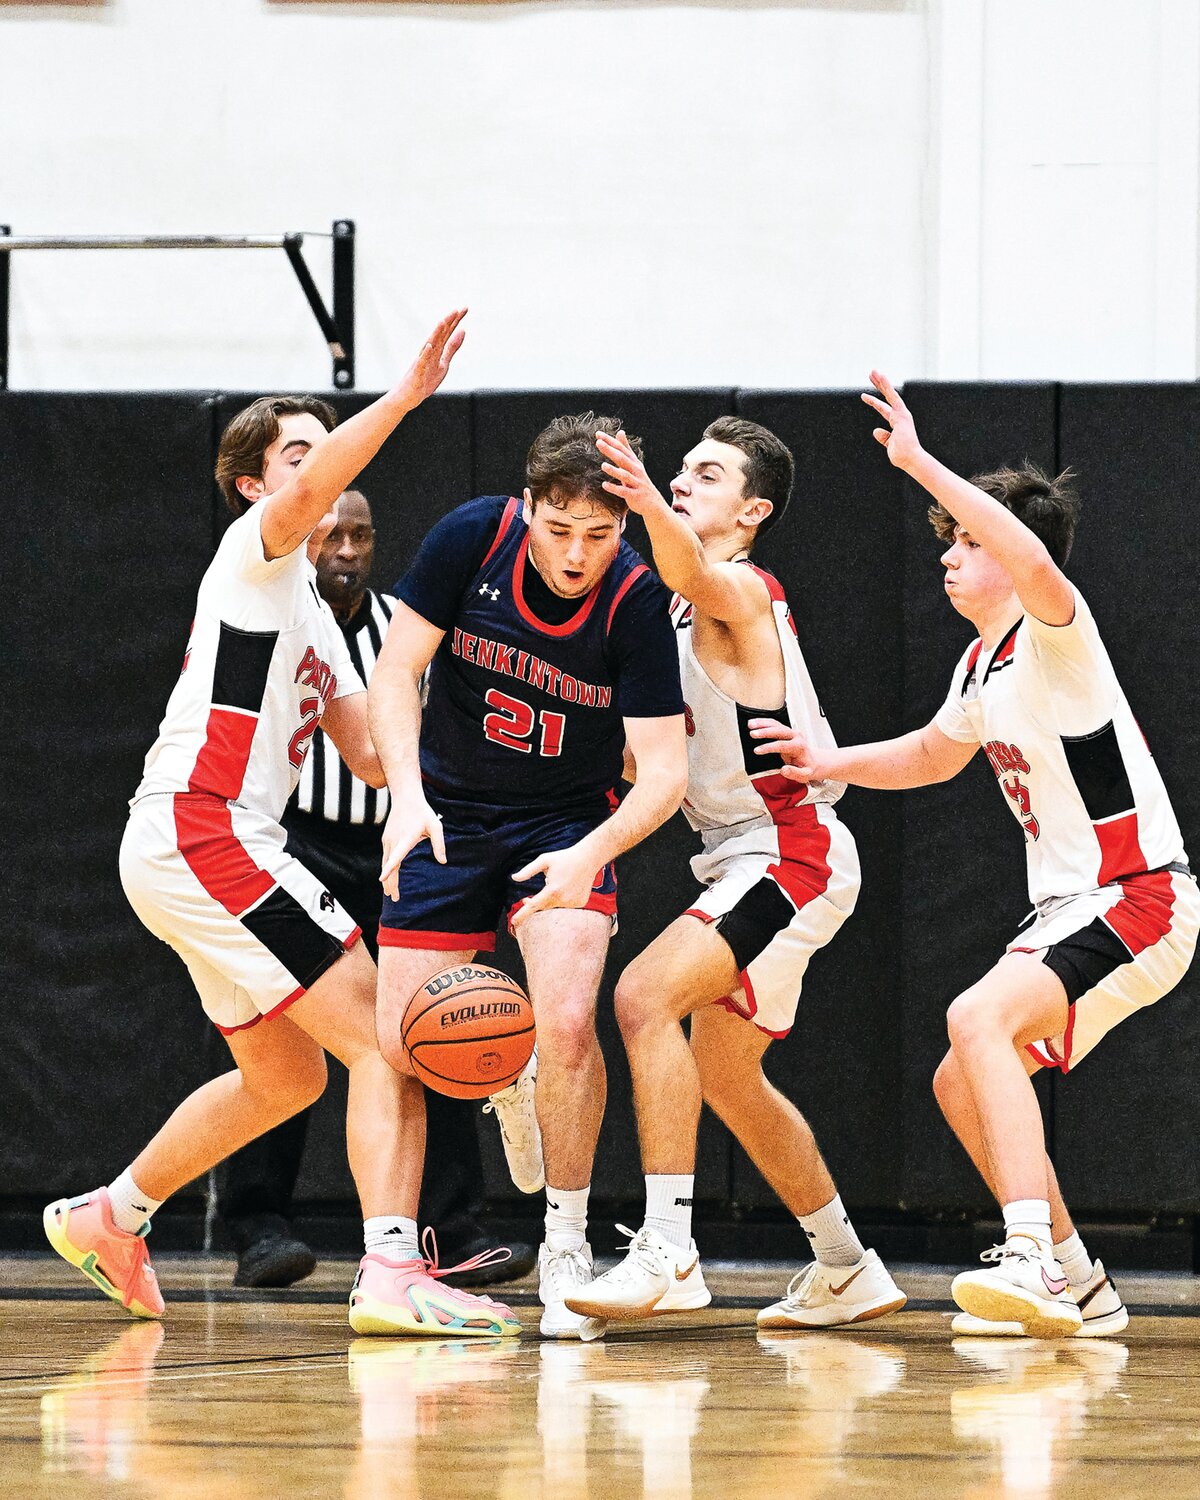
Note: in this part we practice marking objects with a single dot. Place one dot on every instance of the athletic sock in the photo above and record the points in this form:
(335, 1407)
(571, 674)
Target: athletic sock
(669, 1207)
(1030, 1217)
(392, 1237)
(1071, 1255)
(566, 1217)
(131, 1208)
(832, 1236)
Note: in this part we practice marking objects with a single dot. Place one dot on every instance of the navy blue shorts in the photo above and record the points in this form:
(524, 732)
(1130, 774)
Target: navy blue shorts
(460, 904)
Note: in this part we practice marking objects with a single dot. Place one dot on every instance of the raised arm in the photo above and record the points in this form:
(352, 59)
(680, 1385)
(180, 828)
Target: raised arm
(659, 748)
(1041, 585)
(723, 590)
(330, 466)
(917, 759)
(394, 705)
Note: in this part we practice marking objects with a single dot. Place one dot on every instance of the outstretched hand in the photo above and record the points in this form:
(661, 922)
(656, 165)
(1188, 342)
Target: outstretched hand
(627, 477)
(429, 368)
(410, 822)
(800, 762)
(899, 437)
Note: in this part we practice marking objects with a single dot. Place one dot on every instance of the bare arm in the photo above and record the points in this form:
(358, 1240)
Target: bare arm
(723, 590)
(345, 722)
(394, 705)
(289, 515)
(1041, 585)
(659, 748)
(917, 759)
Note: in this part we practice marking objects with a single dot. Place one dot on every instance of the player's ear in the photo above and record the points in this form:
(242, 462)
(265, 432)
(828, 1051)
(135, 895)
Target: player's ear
(624, 518)
(527, 512)
(249, 488)
(757, 510)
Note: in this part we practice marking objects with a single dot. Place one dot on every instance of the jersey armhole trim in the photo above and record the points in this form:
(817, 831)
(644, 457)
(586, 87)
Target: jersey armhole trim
(634, 575)
(506, 521)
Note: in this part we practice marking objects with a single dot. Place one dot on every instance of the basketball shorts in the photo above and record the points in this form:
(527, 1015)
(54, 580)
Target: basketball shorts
(212, 880)
(1116, 950)
(460, 904)
(776, 909)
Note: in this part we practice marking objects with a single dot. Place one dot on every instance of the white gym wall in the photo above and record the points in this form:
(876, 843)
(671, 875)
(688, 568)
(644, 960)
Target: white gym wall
(626, 192)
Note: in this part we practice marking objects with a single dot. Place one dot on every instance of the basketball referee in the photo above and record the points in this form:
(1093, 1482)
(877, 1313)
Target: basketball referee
(334, 826)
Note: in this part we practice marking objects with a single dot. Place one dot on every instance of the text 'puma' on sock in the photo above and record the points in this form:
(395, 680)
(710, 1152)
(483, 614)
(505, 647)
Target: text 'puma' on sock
(669, 1207)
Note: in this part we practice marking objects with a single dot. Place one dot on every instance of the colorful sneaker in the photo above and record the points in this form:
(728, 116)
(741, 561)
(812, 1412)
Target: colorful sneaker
(1099, 1302)
(82, 1231)
(406, 1296)
(1027, 1287)
(518, 1122)
(654, 1277)
(561, 1273)
(833, 1296)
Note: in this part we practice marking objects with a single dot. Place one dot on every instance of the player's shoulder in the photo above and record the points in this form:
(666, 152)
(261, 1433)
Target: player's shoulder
(775, 590)
(635, 578)
(966, 669)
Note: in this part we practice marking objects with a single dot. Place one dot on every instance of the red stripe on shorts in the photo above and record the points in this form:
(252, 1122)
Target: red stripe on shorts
(205, 837)
(441, 942)
(1143, 914)
(803, 870)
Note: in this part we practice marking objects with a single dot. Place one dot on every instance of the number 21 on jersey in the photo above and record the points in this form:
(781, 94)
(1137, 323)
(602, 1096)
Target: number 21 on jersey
(512, 724)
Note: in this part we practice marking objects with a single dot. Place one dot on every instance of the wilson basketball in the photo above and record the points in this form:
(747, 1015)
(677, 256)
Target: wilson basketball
(468, 1031)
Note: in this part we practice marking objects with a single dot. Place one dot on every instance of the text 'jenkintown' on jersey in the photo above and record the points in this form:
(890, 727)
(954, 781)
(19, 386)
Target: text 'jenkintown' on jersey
(522, 711)
(1047, 708)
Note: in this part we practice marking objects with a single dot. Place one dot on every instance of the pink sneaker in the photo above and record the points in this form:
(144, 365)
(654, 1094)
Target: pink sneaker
(406, 1296)
(83, 1232)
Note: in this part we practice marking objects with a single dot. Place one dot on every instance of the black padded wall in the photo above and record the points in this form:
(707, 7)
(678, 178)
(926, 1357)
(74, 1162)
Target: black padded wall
(110, 497)
(837, 553)
(964, 890)
(1126, 1124)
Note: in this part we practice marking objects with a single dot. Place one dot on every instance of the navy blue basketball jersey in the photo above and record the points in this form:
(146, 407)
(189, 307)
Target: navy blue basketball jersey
(523, 712)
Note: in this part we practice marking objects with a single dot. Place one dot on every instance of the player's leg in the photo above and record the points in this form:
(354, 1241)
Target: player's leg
(845, 1283)
(564, 954)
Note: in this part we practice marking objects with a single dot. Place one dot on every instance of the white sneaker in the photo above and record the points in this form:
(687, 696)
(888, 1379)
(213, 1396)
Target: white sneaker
(832, 1296)
(654, 1277)
(517, 1118)
(1099, 1302)
(1027, 1287)
(560, 1273)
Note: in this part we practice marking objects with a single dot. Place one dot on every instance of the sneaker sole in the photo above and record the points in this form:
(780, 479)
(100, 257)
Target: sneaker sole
(591, 1307)
(381, 1320)
(784, 1321)
(86, 1260)
(1039, 1318)
(965, 1326)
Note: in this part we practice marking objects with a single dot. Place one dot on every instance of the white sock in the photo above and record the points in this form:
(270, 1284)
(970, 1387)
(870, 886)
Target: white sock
(1030, 1217)
(832, 1236)
(392, 1237)
(566, 1217)
(131, 1208)
(1073, 1258)
(669, 1207)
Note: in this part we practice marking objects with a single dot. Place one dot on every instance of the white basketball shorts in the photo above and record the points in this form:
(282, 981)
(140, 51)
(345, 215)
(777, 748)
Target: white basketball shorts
(211, 879)
(777, 895)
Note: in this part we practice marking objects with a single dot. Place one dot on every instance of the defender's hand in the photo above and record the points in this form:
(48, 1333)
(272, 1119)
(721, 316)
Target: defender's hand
(429, 368)
(800, 763)
(900, 435)
(627, 477)
(408, 824)
(570, 879)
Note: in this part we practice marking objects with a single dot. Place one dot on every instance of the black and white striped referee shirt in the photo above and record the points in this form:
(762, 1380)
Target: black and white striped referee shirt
(327, 789)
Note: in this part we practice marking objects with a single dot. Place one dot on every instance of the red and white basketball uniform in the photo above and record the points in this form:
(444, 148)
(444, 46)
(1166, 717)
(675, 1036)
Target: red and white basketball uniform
(1116, 910)
(780, 870)
(202, 860)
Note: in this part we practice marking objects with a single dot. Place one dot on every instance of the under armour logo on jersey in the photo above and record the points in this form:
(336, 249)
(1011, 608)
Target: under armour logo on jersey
(326, 901)
(487, 593)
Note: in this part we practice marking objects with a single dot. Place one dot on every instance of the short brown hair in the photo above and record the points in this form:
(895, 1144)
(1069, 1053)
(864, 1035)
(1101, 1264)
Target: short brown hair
(1049, 507)
(565, 464)
(244, 443)
(769, 470)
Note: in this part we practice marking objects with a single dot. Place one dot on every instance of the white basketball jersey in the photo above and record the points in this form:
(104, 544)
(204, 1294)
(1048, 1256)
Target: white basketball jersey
(731, 790)
(264, 659)
(1047, 708)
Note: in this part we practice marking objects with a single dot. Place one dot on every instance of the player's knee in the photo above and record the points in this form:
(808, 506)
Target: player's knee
(970, 1022)
(636, 1003)
(568, 1035)
(947, 1085)
(286, 1093)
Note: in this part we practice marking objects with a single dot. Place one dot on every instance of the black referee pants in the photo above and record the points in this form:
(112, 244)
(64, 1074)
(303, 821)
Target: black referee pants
(255, 1186)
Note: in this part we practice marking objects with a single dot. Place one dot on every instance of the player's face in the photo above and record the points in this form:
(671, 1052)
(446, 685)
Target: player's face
(346, 556)
(573, 545)
(975, 582)
(709, 492)
(298, 432)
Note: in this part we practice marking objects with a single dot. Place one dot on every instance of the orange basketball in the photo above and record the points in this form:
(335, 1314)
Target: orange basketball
(468, 1031)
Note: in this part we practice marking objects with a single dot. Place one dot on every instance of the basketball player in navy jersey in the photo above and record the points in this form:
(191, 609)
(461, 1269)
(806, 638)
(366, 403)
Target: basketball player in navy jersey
(1116, 908)
(551, 648)
(780, 876)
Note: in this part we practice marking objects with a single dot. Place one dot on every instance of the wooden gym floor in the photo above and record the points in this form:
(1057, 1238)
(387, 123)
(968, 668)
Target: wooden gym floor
(249, 1396)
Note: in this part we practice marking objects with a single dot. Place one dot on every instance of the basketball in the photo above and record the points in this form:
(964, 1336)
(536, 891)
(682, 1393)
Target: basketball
(468, 1031)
